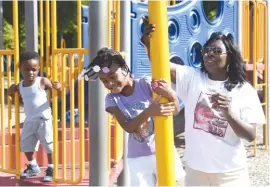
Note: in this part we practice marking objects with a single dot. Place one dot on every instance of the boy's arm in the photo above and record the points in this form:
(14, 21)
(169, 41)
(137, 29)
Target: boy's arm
(133, 124)
(12, 89)
(46, 84)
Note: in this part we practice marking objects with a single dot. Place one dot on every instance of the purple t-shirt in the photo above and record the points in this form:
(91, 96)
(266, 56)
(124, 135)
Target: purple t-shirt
(141, 143)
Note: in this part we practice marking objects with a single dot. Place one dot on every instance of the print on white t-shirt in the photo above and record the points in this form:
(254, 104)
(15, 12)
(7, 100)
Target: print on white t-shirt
(144, 132)
(208, 119)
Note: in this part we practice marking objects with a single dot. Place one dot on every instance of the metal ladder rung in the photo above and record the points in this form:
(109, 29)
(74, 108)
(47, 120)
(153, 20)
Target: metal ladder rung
(262, 84)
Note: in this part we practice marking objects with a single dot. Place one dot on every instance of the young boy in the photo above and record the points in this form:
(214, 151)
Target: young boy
(38, 122)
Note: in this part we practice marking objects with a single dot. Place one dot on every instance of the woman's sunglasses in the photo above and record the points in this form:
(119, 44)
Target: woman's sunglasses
(213, 51)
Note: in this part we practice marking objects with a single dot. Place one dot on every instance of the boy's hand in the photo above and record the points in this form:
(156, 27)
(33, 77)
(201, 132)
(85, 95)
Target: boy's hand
(12, 89)
(56, 85)
(148, 29)
(160, 109)
(161, 87)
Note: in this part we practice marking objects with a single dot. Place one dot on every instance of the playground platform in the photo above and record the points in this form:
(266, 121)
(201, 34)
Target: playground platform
(41, 157)
(10, 180)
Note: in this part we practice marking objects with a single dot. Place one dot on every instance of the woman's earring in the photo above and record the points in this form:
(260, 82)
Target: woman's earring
(228, 68)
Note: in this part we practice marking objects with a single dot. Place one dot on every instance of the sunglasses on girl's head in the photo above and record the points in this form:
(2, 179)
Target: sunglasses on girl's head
(97, 68)
(212, 50)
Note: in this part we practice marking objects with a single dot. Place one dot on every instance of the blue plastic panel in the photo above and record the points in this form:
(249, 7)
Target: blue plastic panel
(188, 28)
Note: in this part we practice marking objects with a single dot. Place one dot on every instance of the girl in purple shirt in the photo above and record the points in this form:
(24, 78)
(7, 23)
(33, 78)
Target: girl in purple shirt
(130, 102)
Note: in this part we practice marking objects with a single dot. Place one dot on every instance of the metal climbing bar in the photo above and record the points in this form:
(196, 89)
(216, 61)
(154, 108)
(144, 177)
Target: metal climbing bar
(118, 131)
(65, 68)
(10, 55)
(160, 69)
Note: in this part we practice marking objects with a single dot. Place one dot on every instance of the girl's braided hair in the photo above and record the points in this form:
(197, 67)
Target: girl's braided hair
(105, 58)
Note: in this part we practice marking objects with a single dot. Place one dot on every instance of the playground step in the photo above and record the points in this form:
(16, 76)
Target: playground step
(42, 157)
(7, 179)
(10, 180)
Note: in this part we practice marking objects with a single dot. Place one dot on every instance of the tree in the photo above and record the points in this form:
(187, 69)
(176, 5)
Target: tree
(66, 21)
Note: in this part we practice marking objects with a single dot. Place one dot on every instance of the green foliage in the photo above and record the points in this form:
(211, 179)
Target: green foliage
(211, 9)
(85, 3)
(66, 22)
(66, 16)
(8, 35)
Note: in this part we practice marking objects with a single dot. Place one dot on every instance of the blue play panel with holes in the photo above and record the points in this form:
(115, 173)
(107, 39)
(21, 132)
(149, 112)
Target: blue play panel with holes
(189, 28)
(190, 24)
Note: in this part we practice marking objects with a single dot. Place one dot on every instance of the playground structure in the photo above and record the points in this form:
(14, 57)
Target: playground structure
(72, 140)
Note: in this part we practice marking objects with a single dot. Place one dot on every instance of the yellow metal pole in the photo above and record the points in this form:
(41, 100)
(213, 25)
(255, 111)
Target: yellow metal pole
(63, 112)
(17, 80)
(9, 112)
(109, 22)
(118, 132)
(81, 118)
(117, 26)
(54, 92)
(266, 74)
(2, 102)
(254, 59)
(48, 43)
(81, 88)
(109, 116)
(160, 69)
(72, 119)
(41, 38)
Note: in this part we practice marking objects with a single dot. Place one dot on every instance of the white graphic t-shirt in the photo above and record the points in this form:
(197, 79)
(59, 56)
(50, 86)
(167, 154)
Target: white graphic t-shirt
(211, 144)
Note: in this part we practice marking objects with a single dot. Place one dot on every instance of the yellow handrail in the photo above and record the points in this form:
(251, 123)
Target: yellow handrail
(41, 40)
(9, 54)
(72, 76)
(68, 54)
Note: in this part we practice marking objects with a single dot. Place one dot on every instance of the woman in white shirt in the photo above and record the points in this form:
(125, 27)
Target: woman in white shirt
(221, 109)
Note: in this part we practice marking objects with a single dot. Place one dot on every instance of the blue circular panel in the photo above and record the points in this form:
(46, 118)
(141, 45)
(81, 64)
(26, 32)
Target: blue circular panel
(195, 55)
(212, 11)
(173, 30)
(194, 19)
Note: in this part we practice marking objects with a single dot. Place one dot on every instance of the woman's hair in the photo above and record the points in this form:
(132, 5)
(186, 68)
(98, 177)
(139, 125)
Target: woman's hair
(105, 58)
(236, 69)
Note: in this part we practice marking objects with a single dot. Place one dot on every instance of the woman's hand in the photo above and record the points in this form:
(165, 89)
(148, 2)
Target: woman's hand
(148, 29)
(223, 103)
